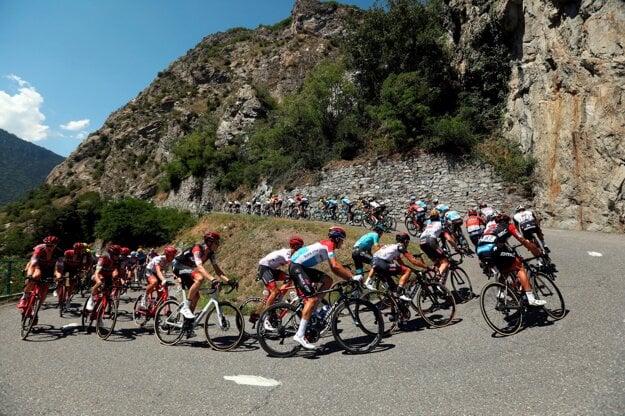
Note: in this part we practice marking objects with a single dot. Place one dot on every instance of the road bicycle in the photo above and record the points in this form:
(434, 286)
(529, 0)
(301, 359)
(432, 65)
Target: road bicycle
(252, 306)
(356, 324)
(459, 279)
(142, 316)
(63, 295)
(415, 222)
(222, 321)
(503, 302)
(30, 312)
(104, 312)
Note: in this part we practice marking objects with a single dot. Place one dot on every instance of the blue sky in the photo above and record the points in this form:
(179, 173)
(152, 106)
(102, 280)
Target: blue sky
(65, 65)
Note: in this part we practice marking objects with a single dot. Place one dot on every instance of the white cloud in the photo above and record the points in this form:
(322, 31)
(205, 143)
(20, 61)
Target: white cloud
(76, 125)
(20, 113)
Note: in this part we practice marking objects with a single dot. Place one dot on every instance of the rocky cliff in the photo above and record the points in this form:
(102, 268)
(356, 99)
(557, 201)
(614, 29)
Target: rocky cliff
(566, 101)
(565, 106)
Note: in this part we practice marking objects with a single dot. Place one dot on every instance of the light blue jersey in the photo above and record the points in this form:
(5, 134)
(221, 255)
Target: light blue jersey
(367, 241)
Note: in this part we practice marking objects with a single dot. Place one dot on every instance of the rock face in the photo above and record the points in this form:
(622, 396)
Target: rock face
(566, 101)
(565, 107)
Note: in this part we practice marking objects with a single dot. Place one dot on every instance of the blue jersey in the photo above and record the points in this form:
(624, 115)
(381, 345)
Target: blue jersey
(367, 241)
(452, 216)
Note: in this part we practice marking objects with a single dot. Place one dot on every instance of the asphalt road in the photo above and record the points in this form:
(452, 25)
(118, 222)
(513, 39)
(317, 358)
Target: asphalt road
(571, 367)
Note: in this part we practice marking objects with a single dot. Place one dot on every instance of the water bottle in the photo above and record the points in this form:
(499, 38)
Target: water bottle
(321, 312)
(293, 295)
(265, 292)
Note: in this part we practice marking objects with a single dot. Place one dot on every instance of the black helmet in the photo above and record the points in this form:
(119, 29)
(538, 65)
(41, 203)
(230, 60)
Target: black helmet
(402, 237)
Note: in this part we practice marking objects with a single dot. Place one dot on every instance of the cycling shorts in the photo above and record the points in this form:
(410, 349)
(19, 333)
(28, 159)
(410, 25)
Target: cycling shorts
(268, 275)
(360, 258)
(432, 249)
(304, 278)
(187, 275)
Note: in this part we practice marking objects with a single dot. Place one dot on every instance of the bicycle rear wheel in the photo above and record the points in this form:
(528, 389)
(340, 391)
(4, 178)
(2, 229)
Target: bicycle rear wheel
(435, 304)
(169, 323)
(107, 317)
(387, 306)
(357, 326)
(501, 309)
(224, 328)
(29, 318)
(461, 284)
(411, 227)
(285, 320)
(546, 289)
(251, 317)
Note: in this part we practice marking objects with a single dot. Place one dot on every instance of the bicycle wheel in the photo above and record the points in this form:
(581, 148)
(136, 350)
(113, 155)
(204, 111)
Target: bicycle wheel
(107, 317)
(461, 284)
(139, 316)
(357, 218)
(546, 289)
(435, 304)
(411, 227)
(387, 306)
(501, 309)
(251, 317)
(357, 326)
(224, 328)
(29, 318)
(341, 217)
(279, 342)
(169, 323)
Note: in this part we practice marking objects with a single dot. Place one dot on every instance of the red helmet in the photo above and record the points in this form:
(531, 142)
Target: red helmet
(79, 247)
(337, 233)
(296, 242)
(114, 249)
(211, 237)
(125, 251)
(502, 217)
(51, 240)
(170, 251)
(472, 212)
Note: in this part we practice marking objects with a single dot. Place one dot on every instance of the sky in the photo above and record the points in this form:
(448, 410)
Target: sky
(65, 65)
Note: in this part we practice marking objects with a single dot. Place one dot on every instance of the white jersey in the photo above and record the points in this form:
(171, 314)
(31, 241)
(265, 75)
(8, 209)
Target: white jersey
(276, 258)
(390, 252)
(161, 261)
(433, 230)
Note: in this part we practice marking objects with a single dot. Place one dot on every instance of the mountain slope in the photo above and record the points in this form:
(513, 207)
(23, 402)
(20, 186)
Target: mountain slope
(23, 166)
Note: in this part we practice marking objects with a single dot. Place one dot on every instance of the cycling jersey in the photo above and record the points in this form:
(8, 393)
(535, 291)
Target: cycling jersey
(161, 261)
(433, 229)
(453, 217)
(442, 208)
(390, 252)
(310, 256)
(496, 238)
(486, 212)
(525, 220)
(195, 256)
(276, 258)
(367, 241)
(106, 266)
(475, 224)
(43, 261)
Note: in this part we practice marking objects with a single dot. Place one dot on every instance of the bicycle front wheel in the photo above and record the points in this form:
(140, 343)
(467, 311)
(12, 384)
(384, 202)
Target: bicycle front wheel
(546, 289)
(388, 309)
(357, 326)
(249, 309)
(28, 319)
(501, 308)
(435, 304)
(224, 327)
(461, 284)
(107, 317)
(411, 227)
(278, 341)
(169, 323)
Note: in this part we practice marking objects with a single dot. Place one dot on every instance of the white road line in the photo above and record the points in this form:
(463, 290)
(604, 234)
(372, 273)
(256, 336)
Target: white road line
(595, 254)
(72, 325)
(253, 380)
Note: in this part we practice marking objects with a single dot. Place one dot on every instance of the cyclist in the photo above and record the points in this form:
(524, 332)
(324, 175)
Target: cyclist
(189, 267)
(475, 226)
(385, 264)
(155, 273)
(43, 263)
(429, 242)
(303, 275)
(348, 205)
(302, 204)
(269, 273)
(453, 221)
(493, 247)
(362, 252)
(106, 270)
(72, 263)
(142, 258)
(529, 223)
(124, 265)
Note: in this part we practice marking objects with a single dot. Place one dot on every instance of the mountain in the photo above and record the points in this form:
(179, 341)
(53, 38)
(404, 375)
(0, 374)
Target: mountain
(564, 87)
(23, 166)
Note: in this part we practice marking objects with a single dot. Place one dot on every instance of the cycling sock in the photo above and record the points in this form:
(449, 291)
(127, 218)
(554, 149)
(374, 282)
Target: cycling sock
(301, 331)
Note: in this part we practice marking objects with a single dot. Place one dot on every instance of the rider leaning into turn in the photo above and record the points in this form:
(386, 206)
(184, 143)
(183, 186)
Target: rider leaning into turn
(155, 271)
(43, 263)
(363, 249)
(429, 242)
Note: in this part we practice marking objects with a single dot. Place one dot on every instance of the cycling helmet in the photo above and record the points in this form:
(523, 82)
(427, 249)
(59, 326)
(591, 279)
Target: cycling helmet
(296, 242)
(114, 249)
(170, 251)
(492, 217)
(435, 201)
(472, 212)
(413, 198)
(520, 208)
(125, 251)
(502, 217)
(379, 228)
(140, 250)
(483, 204)
(402, 237)
(51, 240)
(211, 237)
(133, 254)
(79, 247)
(434, 214)
(337, 233)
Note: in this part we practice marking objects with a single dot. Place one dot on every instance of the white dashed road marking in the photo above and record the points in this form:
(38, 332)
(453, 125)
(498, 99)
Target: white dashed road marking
(595, 254)
(253, 380)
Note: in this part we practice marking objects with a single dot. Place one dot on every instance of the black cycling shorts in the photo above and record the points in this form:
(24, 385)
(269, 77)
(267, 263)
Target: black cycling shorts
(304, 278)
